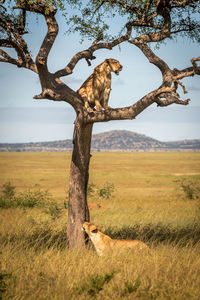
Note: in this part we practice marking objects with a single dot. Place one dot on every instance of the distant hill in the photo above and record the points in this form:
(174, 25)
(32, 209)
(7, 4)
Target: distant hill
(116, 140)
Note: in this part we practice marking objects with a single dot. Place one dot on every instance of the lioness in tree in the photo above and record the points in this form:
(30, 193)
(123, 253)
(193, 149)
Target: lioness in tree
(95, 90)
(104, 243)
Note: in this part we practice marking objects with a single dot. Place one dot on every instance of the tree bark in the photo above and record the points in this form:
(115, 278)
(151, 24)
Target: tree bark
(78, 211)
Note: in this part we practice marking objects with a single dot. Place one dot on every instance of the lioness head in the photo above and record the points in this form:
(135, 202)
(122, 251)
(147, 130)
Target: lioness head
(90, 228)
(114, 65)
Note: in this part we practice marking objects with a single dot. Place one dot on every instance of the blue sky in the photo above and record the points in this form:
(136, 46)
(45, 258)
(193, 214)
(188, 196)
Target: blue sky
(23, 119)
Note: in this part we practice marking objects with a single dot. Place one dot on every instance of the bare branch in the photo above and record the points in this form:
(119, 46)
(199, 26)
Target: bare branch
(157, 61)
(169, 76)
(48, 12)
(7, 58)
(171, 99)
(187, 72)
(24, 58)
(130, 112)
(177, 82)
(88, 54)
(58, 91)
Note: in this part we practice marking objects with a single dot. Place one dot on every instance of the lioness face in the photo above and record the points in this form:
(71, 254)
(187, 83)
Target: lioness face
(114, 65)
(89, 228)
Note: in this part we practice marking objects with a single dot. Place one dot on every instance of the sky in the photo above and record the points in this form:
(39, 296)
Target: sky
(23, 119)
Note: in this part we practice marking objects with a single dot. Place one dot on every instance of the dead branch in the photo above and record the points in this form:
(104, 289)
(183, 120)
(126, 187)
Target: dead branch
(170, 99)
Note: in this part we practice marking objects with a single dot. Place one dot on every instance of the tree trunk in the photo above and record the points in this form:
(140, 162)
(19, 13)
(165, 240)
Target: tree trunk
(78, 211)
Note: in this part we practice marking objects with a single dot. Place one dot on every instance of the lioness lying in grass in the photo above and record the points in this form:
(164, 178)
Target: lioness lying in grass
(104, 243)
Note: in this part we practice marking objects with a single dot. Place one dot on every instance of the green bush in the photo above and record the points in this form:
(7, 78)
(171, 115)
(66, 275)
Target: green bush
(106, 191)
(27, 199)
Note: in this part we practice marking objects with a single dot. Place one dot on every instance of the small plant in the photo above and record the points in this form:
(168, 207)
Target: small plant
(95, 284)
(131, 287)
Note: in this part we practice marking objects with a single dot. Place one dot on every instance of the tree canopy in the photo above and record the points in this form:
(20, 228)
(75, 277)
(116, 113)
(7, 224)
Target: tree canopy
(93, 19)
(142, 22)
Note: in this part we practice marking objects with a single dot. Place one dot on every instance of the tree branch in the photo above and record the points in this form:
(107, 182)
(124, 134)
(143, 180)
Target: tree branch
(170, 99)
(187, 72)
(7, 58)
(88, 53)
(130, 112)
(157, 61)
(48, 12)
(15, 41)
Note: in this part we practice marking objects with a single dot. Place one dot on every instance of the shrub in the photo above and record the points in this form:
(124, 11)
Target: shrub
(104, 192)
(191, 189)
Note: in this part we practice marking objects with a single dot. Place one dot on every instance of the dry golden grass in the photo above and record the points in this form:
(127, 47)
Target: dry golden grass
(148, 204)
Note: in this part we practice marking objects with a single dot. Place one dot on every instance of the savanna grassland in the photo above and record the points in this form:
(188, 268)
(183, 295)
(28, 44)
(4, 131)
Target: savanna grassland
(154, 197)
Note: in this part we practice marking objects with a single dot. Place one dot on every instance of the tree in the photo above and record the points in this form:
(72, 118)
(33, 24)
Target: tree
(145, 22)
